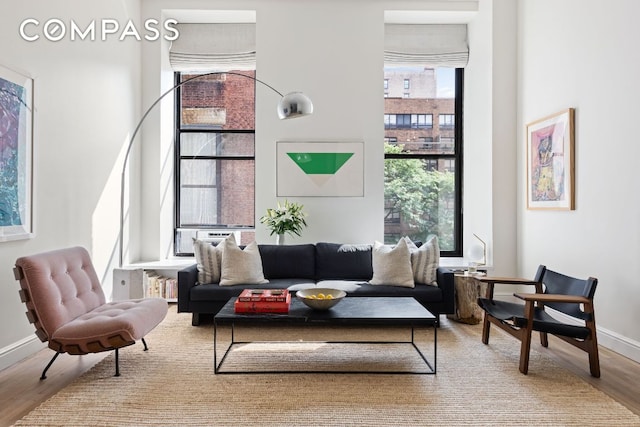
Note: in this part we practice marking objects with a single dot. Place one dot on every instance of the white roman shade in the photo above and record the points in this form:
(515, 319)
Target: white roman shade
(436, 45)
(219, 47)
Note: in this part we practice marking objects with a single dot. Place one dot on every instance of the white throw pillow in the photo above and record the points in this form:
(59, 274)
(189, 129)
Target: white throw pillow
(343, 285)
(302, 286)
(208, 259)
(425, 260)
(392, 265)
(241, 267)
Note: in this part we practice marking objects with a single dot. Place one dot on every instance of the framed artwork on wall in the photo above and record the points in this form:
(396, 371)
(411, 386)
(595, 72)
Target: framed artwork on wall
(16, 145)
(320, 169)
(550, 162)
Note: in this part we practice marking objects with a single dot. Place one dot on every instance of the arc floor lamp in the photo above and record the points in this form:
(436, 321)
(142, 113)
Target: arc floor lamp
(291, 106)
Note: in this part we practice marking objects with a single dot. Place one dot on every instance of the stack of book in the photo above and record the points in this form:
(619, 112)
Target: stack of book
(158, 286)
(263, 301)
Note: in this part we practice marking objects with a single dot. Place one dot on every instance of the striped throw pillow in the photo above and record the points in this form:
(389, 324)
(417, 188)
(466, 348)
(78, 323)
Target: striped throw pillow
(425, 261)
(208, 259)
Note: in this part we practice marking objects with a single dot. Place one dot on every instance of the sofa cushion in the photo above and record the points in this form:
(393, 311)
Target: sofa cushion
(215, 292)
(420, 293)
(241, 266)
(392, 265)
(284, 261)
(347, 262)
(208, 259)
(425, 260)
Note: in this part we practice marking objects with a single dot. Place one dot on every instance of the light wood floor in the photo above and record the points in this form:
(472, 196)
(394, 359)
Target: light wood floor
(21, 389)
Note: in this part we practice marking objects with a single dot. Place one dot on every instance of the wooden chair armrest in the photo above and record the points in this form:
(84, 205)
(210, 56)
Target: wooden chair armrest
(506, 280)
(552, 298)
(491, 281)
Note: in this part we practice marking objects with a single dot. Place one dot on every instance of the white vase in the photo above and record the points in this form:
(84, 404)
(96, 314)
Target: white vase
(280, 239)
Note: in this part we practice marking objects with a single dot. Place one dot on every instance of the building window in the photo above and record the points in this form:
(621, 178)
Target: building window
(405, 121)
(446, 121)
(449, 165)
(406, 84)
(421, 121)
(215, 154)
(423, 186)
(386, 84)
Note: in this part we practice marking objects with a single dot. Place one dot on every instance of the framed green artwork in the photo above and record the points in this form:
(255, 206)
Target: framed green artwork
(320, 169)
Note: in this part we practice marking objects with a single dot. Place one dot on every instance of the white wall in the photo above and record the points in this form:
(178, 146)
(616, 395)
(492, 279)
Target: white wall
(490, 134)
(583, 54)
(86, 98)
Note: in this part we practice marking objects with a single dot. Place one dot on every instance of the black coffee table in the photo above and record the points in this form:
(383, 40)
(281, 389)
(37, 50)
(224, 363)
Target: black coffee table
(352, 311)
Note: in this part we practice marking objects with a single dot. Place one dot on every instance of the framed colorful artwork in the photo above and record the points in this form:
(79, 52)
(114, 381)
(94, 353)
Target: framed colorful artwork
(320, 169)
(550, 162)
(16, 144)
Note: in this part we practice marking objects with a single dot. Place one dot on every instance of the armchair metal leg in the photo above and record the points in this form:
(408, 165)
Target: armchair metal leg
(145, 344)
(44, 373)
(117, 365)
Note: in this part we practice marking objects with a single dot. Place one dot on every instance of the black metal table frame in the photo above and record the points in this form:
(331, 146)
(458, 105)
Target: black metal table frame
(217, 366)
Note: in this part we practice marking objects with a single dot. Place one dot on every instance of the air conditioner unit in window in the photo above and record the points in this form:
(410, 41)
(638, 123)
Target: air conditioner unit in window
(185, 236)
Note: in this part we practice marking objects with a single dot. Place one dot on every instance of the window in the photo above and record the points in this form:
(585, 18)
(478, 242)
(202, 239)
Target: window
(449, 165)
(406, 84)
(405, 121)
(446, 121)
(422, 165)
(215, 157)
(421, 121)
(386, 84)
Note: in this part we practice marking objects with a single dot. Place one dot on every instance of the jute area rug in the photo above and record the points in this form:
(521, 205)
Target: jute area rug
(173, 384)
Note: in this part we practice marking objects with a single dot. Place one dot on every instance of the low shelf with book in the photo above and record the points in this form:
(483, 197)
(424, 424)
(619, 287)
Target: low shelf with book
(138, 280)
(156, 285)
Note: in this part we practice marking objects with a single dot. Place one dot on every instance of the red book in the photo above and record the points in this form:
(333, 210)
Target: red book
(263, 306)
(280, 295)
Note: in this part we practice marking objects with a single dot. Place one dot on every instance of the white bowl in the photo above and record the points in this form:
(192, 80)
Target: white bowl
(307, 297)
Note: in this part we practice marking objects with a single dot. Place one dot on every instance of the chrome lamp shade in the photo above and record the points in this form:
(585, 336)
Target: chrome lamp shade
(293, 105)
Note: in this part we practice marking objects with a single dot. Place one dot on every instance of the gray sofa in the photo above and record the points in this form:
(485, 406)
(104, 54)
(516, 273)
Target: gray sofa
(321, 265)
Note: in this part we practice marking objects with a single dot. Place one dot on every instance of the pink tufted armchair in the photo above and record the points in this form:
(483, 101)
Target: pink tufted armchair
(67, 306)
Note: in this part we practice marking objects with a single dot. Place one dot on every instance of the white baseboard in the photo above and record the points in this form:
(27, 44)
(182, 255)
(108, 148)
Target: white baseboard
(611, 340)
(19, 350)
(621, 345)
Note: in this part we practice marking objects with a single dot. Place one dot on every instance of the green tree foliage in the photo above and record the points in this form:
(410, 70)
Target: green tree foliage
(425, 199)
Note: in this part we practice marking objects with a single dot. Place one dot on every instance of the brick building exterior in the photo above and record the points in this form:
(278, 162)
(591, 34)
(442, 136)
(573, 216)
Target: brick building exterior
(434, 138)
(226, 102)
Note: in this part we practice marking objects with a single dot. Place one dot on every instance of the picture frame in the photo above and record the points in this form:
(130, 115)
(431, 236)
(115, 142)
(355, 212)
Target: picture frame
(320, 169)
(550, 162)
(16, 155)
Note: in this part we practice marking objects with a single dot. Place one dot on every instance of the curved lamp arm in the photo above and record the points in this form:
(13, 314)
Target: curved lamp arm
(291, 106)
